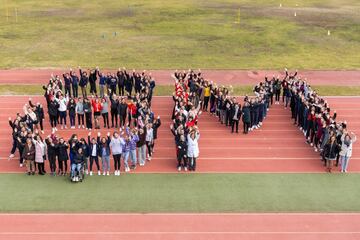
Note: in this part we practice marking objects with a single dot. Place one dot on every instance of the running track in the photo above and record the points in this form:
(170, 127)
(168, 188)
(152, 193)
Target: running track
(277, 147)
(181, 226)
(235, 77)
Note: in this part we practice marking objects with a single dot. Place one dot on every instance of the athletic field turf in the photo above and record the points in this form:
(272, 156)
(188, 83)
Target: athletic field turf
(181, 34)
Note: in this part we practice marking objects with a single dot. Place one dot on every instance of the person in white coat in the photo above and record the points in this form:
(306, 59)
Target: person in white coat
(346, 149)
(40, 152)
(193, 147)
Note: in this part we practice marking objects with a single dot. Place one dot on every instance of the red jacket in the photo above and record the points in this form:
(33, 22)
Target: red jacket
(96, 106)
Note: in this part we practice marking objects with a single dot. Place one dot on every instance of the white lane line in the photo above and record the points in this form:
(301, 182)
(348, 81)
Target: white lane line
(184, 233)
(189, 214)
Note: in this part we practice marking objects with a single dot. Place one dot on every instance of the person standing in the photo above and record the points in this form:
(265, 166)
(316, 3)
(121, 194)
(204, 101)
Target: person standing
(79, 109)
(29, 156)
(193, 147)
(235, 115)
(104, 144)
(88, 114)
(330, 153)
(346, 149)
(95, 152)
(84, 79)
(141, 146)
(40, 151)
(246, 117)
(63, 156)
(117, 145)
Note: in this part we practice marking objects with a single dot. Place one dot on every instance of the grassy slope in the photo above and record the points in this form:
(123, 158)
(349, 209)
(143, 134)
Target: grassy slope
(180, 34)
(182, 193)
(163, 90)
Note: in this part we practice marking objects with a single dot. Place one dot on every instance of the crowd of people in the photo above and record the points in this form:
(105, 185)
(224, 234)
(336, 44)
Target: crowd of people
(313, 116)
(124, 103)
(130, 112)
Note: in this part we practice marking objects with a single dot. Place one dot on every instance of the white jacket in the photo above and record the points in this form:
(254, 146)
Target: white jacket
(116, 145)
(346, 151)
(193, 146)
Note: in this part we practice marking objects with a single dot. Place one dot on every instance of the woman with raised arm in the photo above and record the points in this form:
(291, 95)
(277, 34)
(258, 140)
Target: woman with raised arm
(104, 144)
(193, 147)
(346, 149)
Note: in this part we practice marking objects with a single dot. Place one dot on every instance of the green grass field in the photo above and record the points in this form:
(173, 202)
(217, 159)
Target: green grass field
(143, 193)
(180, 34)
(167, 90)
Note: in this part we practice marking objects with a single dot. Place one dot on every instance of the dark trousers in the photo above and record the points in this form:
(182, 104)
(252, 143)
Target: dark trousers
(149, 148)
(93, 88)
(246, 127)
(41, 168)
(122, 119)
(41, 124)
(72, 120)
(96, 159)
(68, 90)
(192, 164)
(106, 119)
(277, 95)
(52, 162)
(63, 117)
(117, 158)
(14, 145)
(182, 161)
(53, 121)
(81, 119)
(206, 103)
(235, 123)
(88, 119)
(121, 90)
(75, 89)
(114, 117)
(63, 166)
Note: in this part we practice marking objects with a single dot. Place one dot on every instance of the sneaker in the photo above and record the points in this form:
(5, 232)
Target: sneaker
(21, 165)
(186, 169)
(118, 173)
(179, 169)
(104, 173)
(65, 127)
(62, 127)
(86, 172)
(311, 144)
(127, 169)
(315, 149)
(42, 131)
(149, 159)
(91, 173)
(99, 173)
(142, 164)
(79, 126)
(55, 129)
(107, 174)
(83, 126)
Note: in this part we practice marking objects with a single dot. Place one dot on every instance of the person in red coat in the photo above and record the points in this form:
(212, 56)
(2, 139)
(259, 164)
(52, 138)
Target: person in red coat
(96, 105)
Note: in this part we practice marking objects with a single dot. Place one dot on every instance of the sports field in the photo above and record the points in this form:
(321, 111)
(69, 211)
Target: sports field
(172, 34)
(266, 185)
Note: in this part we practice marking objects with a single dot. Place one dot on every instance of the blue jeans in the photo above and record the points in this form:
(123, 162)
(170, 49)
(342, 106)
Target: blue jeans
(105, 163)
(344, 163)
(133, 157)
(126, 157)
(75, 166)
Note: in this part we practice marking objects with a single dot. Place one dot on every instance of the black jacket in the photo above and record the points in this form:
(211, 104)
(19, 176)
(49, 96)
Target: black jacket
(53, 108)
(62, 152)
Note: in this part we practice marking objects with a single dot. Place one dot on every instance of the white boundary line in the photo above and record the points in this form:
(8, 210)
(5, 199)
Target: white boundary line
(181, 233)
(187, 214)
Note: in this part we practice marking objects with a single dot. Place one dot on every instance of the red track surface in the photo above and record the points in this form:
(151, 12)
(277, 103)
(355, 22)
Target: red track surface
(277, 147)
(243, 77)
(180, 226)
